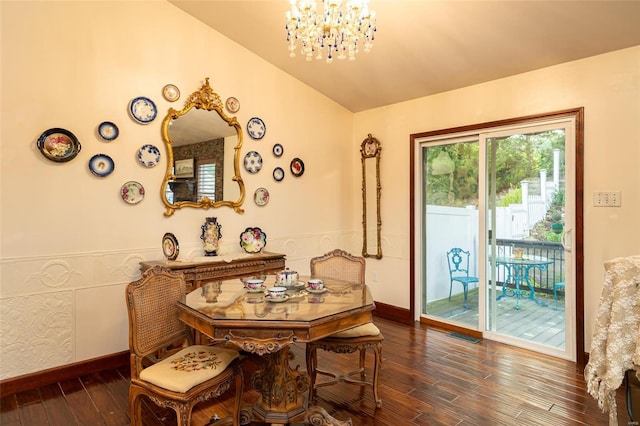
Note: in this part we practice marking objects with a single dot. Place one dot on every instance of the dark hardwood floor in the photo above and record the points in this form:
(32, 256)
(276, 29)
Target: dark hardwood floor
(427, 378)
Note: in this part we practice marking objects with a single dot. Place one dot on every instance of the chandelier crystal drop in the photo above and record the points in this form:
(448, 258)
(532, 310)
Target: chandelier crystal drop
(337, 31)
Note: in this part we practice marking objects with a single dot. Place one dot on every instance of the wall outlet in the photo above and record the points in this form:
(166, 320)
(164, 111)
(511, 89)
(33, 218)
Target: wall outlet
(374, 277)
(607, 199)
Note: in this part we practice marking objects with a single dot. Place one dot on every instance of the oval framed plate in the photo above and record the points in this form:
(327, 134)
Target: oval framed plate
(256, 128)
(171, 92)
(143, 110)
(148, 155)
(261, 196)
(101, 165)
(108, 131)
(132, 192)
(297, 167)
(278, 174)
(170, 247)
(253, 162)
(59, 145)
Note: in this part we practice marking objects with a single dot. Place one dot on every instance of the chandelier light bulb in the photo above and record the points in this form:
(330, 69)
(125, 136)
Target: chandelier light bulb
(337, 31)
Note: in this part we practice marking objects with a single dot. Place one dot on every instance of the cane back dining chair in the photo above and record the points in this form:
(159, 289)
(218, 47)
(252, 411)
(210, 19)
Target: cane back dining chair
(165, 365)
(340, 265)
(458, 260)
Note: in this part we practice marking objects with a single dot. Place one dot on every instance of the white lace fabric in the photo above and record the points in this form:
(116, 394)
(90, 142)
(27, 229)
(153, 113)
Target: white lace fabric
(615, 346)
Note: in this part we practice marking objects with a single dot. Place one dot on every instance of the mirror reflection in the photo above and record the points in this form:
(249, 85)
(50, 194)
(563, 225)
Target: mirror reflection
(371, 221)
(203, 148)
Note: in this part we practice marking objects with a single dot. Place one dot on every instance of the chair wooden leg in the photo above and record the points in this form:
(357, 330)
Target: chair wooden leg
(183, 414)
(377, 359)
(135, 406)
(363, 358)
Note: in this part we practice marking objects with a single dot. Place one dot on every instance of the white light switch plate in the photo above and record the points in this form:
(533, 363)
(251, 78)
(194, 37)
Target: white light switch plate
(607, 199)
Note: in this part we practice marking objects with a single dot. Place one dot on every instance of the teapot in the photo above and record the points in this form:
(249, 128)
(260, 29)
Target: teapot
(286, 277)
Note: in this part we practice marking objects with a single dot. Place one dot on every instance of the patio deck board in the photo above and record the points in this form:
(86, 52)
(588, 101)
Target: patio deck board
(532, 321)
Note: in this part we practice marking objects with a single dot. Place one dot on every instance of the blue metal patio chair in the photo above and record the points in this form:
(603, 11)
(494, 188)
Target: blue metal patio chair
(458, 260)
(556, 286)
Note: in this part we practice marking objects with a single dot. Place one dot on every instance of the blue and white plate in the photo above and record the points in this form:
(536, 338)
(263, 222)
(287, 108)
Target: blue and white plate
(148, 155)
(252, 162)
(108, 131)
(278, 150)
(101, 165)
(256, 128)
(143, 110)
(278, 174)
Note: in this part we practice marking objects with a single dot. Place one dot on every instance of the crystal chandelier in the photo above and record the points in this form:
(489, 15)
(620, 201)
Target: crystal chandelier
(336, 31)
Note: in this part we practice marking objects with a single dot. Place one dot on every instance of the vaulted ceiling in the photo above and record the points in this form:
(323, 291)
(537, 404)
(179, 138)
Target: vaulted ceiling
(424, 47)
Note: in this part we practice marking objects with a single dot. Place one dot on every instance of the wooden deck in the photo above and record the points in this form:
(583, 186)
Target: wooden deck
(532, 322)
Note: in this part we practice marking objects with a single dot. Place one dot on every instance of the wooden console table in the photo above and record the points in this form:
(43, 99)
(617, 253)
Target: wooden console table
(215, 268)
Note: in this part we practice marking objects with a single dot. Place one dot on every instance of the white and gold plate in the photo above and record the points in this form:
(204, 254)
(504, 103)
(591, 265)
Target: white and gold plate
(132, 192)
(320, 291)
(284, 298)
(296, 286)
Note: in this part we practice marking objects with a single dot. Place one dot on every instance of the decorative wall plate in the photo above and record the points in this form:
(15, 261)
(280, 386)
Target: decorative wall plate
(108, 131)
(278, 174)
(171, 92)
(232, 104)
(278, 150)
(101, 165)
(261, 196)
(253, 240)
(148, 155)
(297, 167)
(143, 110)
(170, 247)
(59, 145)
(256, 128)
(252, 162)
(132, 192)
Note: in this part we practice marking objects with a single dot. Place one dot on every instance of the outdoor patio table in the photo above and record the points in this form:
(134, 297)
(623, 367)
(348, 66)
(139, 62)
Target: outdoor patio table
(518, 269)
(227, 312)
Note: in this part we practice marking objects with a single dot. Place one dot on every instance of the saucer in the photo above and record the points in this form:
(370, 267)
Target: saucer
(322, 290)
(278, 300)
(260, 289)
(297, 286)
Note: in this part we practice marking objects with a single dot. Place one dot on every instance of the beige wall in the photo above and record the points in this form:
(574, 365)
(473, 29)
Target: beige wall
(607, 86)
(69, 245)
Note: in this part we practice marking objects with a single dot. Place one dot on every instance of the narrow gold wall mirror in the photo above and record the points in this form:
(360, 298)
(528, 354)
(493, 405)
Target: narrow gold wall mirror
(371, 222)
(203, 155)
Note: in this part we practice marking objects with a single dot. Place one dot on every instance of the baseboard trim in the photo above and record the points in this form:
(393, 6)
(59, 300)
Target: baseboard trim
(393, 313)
(65, 372)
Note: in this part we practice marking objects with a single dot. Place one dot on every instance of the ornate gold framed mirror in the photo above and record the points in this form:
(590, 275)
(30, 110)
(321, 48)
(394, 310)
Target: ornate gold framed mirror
(370, 150)
(203, 155)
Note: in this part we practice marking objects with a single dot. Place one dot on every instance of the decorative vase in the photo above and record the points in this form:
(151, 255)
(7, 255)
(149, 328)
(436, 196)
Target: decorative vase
(211, 234)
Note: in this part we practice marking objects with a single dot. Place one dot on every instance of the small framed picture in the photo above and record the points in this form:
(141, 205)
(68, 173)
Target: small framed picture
(184, 168)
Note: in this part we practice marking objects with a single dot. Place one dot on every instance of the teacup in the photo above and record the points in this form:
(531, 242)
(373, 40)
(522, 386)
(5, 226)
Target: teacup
(315, 284)
(253, 284)
(277, 292)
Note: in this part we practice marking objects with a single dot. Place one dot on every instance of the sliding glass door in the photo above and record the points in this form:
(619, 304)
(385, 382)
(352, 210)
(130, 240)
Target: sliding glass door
(496, 234)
